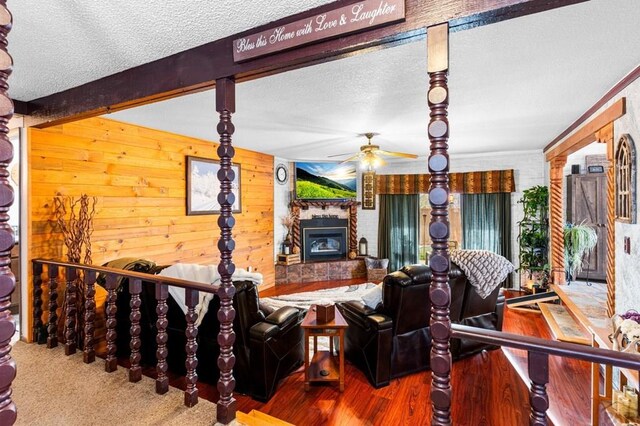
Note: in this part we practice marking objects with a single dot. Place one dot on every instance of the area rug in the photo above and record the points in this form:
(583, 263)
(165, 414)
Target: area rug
(330, 296)
(54, 389)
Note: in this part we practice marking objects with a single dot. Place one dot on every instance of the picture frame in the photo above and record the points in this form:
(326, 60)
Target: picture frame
(595, 169)
(203, 186)
(368, 190)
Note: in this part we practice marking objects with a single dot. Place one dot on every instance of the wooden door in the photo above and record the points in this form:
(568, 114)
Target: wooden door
(587, 202)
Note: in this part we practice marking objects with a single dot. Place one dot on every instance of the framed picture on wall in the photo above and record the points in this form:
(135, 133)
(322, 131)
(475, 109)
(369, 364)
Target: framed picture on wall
(368, 190)
(203, 186)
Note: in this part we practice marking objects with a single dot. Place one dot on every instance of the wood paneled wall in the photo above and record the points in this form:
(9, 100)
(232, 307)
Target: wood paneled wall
(138, 177)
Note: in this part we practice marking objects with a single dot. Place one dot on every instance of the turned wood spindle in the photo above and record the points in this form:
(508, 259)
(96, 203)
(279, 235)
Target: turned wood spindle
(439, 292)
(556, 219)
(111, 362)
(191, 332)
(353, 229)
(7, 279)
(89, 353)
(295, 211)
(135, 371)
(538, 398)
(225, 105)
(162, 381)
(39, 332)
(52, 336)
(606, 136)
(71, 311)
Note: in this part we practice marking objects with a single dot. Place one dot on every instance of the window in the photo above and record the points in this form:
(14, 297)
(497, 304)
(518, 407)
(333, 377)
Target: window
(625, 170)
(455, 225)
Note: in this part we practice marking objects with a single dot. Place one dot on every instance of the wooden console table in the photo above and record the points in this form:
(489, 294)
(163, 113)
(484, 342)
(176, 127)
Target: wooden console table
(323, 367)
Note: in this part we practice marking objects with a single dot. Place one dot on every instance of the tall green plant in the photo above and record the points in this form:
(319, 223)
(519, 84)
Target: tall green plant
(534, 234)
(579, 239)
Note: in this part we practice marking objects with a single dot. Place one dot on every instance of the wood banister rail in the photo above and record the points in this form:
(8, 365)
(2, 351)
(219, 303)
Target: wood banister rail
(48, 333)
(156, 279)
(538, 360)
(536, 344)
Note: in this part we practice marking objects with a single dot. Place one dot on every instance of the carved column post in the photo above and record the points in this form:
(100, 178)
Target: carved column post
(226, 105)
(71, 313)
(439, 293)
(556, 221)
(89, 353)
(162, 381)
(191, 363)
(295, 211)
(353, 231)
(605, 135)
(39, 330)
(52, 328)
(135, 371)
(7, 280)
(110, 361)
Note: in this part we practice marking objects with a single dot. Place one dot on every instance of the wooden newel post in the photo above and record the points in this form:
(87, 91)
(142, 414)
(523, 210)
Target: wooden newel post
(226, 105)
(439, 293)
(7, 280)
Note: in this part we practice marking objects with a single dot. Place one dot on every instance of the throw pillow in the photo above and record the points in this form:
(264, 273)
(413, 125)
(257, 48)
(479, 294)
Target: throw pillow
(376, 263)
(373, 297)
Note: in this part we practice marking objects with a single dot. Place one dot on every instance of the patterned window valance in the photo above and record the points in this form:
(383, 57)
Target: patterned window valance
(463, 183)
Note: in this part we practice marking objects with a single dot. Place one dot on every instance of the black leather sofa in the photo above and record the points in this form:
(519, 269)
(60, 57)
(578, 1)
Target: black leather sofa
(393, 339)
(267, 348)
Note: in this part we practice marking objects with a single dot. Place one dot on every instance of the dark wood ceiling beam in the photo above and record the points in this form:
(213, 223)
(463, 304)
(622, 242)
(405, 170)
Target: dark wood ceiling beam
(197, 69)
(20, 107)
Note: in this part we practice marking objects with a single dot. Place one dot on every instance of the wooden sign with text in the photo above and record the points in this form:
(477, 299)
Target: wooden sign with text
(347, 19)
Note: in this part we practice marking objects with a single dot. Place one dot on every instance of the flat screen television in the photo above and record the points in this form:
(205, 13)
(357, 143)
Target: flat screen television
(325, 181)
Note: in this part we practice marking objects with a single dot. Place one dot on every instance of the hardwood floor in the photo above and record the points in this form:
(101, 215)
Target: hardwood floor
(488, 389)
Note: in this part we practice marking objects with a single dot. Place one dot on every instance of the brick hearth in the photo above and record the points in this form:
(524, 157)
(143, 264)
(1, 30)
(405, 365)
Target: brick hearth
(320, 271)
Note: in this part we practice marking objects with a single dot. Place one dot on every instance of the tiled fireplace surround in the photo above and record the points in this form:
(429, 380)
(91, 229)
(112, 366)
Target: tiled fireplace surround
(323, 271)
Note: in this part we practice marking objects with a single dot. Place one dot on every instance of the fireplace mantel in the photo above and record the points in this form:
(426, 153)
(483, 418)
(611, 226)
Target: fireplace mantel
(351, 205)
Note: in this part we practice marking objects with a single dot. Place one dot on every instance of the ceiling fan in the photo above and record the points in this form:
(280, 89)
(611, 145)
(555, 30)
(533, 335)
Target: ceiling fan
(370, 155)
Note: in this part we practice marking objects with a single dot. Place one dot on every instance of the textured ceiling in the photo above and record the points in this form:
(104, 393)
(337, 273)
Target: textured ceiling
(515, 85)
(61, 44)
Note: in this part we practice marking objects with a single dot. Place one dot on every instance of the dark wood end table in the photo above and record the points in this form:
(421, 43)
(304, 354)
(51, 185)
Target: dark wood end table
(323, 367)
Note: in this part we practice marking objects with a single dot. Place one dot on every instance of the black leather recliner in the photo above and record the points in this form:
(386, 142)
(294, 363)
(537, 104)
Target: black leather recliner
(267, 348)
(393, 340)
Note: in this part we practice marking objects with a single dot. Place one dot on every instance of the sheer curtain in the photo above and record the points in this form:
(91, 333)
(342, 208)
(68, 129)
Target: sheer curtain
(486, 224)
(398, 229)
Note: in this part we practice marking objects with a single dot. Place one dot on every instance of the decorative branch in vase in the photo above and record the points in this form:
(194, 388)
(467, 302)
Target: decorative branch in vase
(287, 244)
(74, 219)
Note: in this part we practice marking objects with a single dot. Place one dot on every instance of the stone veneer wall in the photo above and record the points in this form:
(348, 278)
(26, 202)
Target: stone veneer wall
(529, 171)
(628, 265)
(320, 271)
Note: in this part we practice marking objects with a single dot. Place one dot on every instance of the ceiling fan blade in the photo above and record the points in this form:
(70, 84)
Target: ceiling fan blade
(339, 155)
(395, 154)
(352, 158)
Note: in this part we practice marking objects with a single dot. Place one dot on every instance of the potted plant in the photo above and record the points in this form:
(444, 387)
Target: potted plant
(534, 237)
(579, 239)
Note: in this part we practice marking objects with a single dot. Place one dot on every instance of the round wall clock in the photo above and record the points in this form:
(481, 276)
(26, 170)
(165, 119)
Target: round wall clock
(282, 174)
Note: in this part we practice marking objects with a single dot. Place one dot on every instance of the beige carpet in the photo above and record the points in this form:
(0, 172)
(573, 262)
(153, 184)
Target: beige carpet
(53, 389)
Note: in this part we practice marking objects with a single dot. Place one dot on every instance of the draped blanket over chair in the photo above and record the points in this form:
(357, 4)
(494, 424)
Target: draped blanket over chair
(393, 339)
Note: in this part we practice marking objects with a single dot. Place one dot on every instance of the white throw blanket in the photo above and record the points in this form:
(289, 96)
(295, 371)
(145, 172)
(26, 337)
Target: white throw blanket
(484, 269)
(206, 274)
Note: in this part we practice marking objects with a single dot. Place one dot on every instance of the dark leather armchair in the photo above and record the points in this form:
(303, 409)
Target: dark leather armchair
(393, 339)
(267, 348)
